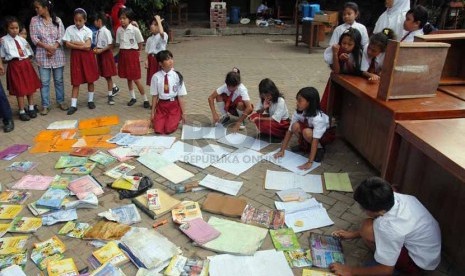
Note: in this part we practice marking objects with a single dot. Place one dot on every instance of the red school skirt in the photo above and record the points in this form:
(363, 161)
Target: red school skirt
(106, 64)
(270, 127)
(129, 64)
(21, 78)
(167, 116)
(83, 67)
(152, 67)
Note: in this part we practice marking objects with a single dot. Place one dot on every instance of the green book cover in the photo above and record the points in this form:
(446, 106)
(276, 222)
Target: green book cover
(338, 182)
(284, 239)
(70, 161)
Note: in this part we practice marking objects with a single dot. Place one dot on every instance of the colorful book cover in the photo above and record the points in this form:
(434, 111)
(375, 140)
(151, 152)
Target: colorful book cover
(80, 170)
(284, 239)
(186, 211)
(13, 259)
(12, 245)
(22, 166)
(99, 122)
(64, 267)
(127, 182)
(33, 182)
(325, 249)
(298, 258)
(199, 231)
(102, 158)
(52, 198)
(84, 185)
(14, 196)
(83, 152)
(51, 249)
(74, 229)
(60, 182)
(4, 228)
(9, 211)
(126, 214)
(273, 219)
(70, 161)
(167, 203)
(13, 151)
(110, 253)
(50, 135)
(107, 270)
(25, 225)
(37, 210)
(119, 170)
(153, 199)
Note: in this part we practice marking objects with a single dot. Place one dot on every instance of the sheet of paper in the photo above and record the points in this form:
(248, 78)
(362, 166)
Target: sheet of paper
(219, 184)
(179, 151)
(238, 161)
(262, 263)
(288, 180)
(163, 167)
(292, 207)
(338, 182)
(200, 132)
(239, 140)
(66, 124)
(291, 161)
(154, 142)
(312, 218)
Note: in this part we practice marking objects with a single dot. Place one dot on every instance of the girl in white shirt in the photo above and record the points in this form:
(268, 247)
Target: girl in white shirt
(155, 43)
(271, 116)
(308, 123)
(349, 14)
(373, 54)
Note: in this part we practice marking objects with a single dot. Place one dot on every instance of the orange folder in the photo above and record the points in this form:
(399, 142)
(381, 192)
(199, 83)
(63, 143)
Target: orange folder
(99, 122)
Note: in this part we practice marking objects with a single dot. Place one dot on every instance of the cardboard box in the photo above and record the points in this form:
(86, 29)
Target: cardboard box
(330, 17)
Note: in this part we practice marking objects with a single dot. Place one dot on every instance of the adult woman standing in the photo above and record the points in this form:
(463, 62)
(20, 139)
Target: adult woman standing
(46, 32)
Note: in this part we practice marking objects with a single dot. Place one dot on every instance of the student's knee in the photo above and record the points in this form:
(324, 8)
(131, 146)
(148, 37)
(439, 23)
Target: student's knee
(367, 233)
(307, 134)
(240, 106)
(295, 128)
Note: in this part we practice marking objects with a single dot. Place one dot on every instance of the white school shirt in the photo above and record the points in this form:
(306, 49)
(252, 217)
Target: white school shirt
(320, 123)
(408, 224)
(328, 57)
(278, 111)
(73, 34)
(366, 61)
(393, 18)
(129, 38)
(240, 91)
(9, 51)
(410, 35)
(341, 28)
(156, 43)
(104, 38)
(158, 82)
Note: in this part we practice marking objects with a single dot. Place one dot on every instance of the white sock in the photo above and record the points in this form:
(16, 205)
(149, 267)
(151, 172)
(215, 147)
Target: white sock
(21, 111)
(145, 98)
(133, 94)
(31, 107)
(74, 102)
(91, 96)
(114, 85)
(110, 93)
(220, 106)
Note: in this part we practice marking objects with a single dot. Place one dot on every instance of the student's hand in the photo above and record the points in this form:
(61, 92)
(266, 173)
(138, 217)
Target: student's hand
(278, 154)
(343, 234)
(157, 18)
(307, 165)
(215, 118)
(335, 48)
(344, 57)
(340, 269)
(373, 78)
(146, 64)
(236, 127)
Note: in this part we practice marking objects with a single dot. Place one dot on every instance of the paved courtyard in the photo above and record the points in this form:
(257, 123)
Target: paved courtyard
(204, 62)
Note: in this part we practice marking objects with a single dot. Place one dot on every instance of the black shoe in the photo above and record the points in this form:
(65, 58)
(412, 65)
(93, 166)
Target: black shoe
(32, 113)
(224, 119)
(91, 105)
(71, 110)
(24, 117)
(146, 104)
(36, 108)
(8, 126)
(110, 100)
(114, 90)
(132, 102)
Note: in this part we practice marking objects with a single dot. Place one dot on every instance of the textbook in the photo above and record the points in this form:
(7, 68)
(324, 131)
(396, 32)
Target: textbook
(25, 225)
(4, 228)
(102, 158)
(153, 199)
(33, 182)
(167, 203)
(14, 196)
(52, 198)
(127, 182)
(84, 185)
(80, 170)
(18, 259)
(224, 205)
(74, 229)
(60, 182)
(9, 211)
(51, 249)
(98, 122)
(12, 245)
(22, 166)
(119, 170)
(70, 161)
(284, 239)
(199, 231)
(186, 211)
(83, 152)
(110, 253)
(325, 250)
(267, 218)
(298, 258)
(62, 267)
(106, 230)
(107, 269)
(126, 214)
(314, 272)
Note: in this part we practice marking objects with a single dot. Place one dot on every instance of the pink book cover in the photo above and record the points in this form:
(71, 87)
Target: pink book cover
(199, 231)
(33, 182)
(84, 185)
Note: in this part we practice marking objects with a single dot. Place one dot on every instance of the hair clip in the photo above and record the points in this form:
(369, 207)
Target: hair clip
(386, 31)
(81, 10)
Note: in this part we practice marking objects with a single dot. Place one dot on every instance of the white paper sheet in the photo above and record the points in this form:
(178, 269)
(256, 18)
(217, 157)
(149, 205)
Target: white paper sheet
(163, 167)
(311, 213)
(288, 180)
(239, 161)
(239, 140)
(155, 142)
(219, 184)
(291, 161)
(262, 263)
(66, 124)
(199, 132)
(206, 156)
(179, 151)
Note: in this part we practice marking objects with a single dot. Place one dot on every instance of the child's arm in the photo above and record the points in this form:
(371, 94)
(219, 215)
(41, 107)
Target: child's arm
(140, 46)
(154, 105)
(247, 111)
(99, 51)
(340, 269)
(313, 147)
(160, 26)
(146, 62)
(370, 76)
(183, 108)
(211, 103)
(335, 66)
(284, 144)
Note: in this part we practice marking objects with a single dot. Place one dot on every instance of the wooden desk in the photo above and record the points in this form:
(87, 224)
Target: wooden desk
(427, 160)
(369, 123)
(308, 32)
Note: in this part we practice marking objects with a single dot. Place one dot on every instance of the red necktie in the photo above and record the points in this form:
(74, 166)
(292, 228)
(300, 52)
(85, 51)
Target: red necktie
(372, 68)
(166, 87)
(228, 102)
(405, 36)
(20, 51)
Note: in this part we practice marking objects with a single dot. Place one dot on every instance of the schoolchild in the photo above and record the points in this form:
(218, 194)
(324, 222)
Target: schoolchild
(393, 17)
(415, 20)
(373, 54)
(155, 43)
(350, 13)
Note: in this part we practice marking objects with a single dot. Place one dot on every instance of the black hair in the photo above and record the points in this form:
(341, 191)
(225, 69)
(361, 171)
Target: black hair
(9, 20)
(419, 13)
(165, 55)
(353, 6)
(164, 24)
(313, 98)
(106, 19)
(375, 194)
(128, 12)
(233, 78)
(428, 28)
(267, 86)
(355, 35)
(49, 5)
(82, 12)
(381, 39)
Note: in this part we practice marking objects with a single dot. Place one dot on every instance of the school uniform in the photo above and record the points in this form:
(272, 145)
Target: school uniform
(393, 18)
(155, 43)
(339, 30)
(410, 36)
(371, 65)
(231, 99)
(318, 124)
(21, 78)
(83, 65)
(168, 111)
(128, 61)
(279, 115)
(105, 61)
(407, 227)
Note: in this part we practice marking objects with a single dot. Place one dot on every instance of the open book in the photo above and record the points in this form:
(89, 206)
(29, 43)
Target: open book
(305, 215)
(325, 249)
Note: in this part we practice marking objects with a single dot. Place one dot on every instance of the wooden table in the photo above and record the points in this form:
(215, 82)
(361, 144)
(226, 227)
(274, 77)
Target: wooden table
(369, 123)
(308, 32)
(427, 160)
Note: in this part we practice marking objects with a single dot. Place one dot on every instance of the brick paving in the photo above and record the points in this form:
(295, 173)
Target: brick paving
(204, 61)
